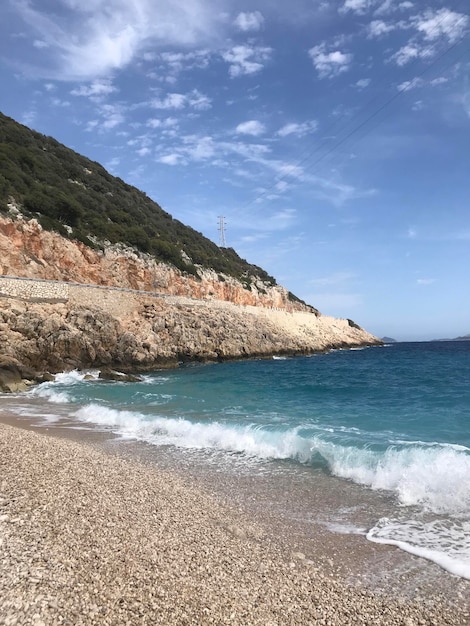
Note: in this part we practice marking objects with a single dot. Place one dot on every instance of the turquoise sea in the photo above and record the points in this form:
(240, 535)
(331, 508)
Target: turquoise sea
(392, 421)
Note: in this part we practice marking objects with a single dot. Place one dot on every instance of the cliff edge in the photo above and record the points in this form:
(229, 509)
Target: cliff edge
(131, 312)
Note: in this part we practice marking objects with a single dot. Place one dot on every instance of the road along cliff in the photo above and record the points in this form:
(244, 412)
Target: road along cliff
(54, 326)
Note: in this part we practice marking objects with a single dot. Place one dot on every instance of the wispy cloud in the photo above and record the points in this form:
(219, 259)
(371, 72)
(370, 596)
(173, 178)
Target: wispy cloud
(176, 101)
(362, 83)
(244, 60)
(442, 23)
(90, 39)
(96, 90)
(329, 64)
(431, 30)
(297, 130)
(356, 6)
(249, 21)
(252, 127)
(379, 28)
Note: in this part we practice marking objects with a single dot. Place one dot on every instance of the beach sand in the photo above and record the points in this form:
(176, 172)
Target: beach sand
(91, 538)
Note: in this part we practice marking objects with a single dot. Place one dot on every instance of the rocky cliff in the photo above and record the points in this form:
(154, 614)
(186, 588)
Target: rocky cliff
(29, 251)
(179, 319)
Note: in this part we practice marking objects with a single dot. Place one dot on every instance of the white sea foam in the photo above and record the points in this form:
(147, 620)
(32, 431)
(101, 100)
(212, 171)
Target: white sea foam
(432, 444)
(435, 478)
(445, 542)
(51, 393)
(73, 377)
(249, 439)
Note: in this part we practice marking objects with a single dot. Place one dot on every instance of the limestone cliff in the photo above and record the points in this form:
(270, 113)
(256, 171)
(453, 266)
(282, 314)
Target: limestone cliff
(180, 318)
(29, 251)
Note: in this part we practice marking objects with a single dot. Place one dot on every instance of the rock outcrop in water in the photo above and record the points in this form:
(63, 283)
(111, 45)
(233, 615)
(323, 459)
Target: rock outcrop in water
(215, 318)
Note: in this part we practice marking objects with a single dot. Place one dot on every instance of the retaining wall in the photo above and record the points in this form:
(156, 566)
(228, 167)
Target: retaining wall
(33, 289)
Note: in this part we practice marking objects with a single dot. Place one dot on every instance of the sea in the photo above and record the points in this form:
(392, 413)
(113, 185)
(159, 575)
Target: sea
(371, 444)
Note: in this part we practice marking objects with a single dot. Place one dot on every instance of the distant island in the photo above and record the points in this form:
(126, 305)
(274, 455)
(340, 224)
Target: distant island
(389, 340)
(462, 338)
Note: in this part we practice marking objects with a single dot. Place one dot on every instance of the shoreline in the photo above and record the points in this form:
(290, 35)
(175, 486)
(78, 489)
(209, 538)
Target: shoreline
(92, 537)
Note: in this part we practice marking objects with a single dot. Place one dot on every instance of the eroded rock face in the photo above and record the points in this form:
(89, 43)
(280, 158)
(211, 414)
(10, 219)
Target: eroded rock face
(28, 251)
(159, 332)
(210, 319)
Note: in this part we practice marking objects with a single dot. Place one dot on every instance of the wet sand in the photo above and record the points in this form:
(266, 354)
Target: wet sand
(90, 537)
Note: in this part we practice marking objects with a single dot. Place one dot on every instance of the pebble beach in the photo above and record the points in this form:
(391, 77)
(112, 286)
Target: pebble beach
(90, 538)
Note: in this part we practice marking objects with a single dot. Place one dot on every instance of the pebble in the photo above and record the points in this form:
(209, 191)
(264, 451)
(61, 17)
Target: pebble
(108, 541)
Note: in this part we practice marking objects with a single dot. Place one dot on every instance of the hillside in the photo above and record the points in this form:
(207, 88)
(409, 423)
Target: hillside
(80, 200)
(95, 274)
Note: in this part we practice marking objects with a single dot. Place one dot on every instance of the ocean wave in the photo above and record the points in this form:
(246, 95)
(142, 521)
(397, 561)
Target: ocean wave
(445, 542)
(249, 439)
(73, 377)
(47, 392)
(435, 478)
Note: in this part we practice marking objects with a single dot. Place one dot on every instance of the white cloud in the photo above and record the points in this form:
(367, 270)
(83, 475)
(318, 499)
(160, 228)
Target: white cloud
(170, 159)
(95, 90)
(432, 27)
(249, 21)
(363, 83)
(113, 115)
(298, 130)
(177, 101)
(329, 64)
(360, 7)
(252, 127)
(198, 101)
(440, 80)
(406, 54)
(355, 6)
(199, 148)
(90, 39)
(245, 60)
(143, 151)
(168, 65)
(170, 101)
(377, 28)
(417, 82)
(57, 102)
(441, 23)
(91, 125)
(414, 83)
(169, 122)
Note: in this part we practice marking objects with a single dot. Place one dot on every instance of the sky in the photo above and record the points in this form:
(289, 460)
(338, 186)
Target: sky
(333, 136)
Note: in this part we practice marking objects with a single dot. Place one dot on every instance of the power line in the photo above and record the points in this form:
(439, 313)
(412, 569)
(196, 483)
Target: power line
(374, 114)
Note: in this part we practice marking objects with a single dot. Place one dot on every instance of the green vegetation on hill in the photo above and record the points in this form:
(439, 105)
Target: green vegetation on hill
(78, 198)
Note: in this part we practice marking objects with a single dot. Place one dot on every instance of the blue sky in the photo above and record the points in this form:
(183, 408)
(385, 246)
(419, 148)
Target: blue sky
(332, 135)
